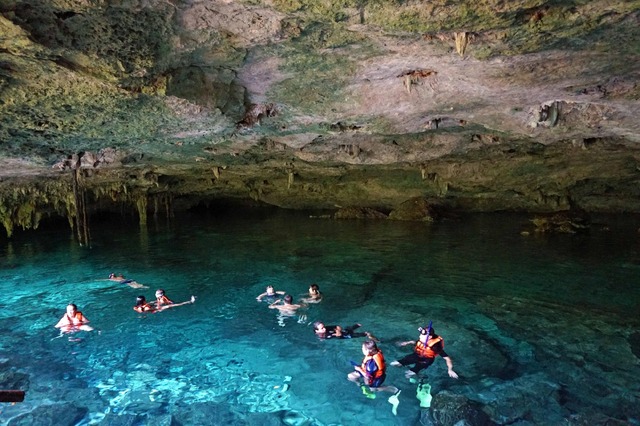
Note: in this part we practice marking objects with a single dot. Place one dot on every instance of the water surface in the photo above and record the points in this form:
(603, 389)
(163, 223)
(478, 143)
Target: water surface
(542, 330)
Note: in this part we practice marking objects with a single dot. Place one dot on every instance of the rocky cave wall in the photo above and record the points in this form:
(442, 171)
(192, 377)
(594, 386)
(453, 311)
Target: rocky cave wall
(151, 106)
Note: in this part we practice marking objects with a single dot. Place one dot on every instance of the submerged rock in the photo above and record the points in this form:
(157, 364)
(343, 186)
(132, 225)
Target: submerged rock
(56, 414)
(449, 409)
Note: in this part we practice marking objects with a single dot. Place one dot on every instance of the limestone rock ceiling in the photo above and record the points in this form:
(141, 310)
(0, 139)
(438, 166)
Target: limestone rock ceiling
(519, 105)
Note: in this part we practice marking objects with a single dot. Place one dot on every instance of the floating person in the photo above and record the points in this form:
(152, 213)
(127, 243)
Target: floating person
(270, 294)
(163, 302)
(73, 320)
(337, 332)
(425, 351)
(142, 305)
(372, 372)
(122, 280)
(314, 295)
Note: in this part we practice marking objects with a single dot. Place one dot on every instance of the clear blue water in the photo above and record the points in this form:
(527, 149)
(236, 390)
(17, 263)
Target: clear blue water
(542, 330)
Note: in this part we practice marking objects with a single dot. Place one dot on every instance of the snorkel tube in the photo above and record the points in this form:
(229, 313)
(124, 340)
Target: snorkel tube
(426, 331)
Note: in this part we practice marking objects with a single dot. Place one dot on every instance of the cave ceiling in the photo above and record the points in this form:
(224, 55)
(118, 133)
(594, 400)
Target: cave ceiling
(482, 105)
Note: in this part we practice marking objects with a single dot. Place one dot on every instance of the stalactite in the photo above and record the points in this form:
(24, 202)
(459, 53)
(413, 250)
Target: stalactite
(156, 207)
(85, 219)
(169, 206)
(141, 205)
(82, 220)
(290, 180)
(462, 41)
(5, 217)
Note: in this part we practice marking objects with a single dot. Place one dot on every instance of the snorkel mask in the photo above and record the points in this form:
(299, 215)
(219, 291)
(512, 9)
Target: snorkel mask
(427, 330)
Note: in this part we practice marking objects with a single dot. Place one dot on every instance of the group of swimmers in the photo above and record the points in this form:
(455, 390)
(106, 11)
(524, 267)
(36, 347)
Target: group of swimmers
(371, 373)
(73, 320)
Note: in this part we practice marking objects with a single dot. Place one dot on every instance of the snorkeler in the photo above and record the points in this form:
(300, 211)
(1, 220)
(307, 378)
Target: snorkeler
(270, 294)
(73, 320)
(122, 280)
(371, 373)
(314, 296)
(337, 332)
(427, 348)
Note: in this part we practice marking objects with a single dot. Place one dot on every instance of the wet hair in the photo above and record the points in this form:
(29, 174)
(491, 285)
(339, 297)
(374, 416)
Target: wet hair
(75, 308)
(140, 300)
(317, 324)
(160, 291)
(112, 275)
(371, 347)
(315, 288)
(288, 298)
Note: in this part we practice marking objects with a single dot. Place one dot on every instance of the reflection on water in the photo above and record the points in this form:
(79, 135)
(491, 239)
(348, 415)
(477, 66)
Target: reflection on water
(542, 330)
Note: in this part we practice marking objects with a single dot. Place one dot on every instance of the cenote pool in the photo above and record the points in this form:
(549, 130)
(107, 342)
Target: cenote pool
(541, 329)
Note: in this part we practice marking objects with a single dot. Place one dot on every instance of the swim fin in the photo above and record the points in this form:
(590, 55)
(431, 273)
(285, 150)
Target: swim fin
(395, 401)
(423, 393)
(367, 392)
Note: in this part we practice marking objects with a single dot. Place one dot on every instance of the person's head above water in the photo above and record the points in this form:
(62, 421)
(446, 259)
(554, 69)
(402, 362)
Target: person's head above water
(369, 347)
(141, 300)
(71, 309)
(319, 327)
(426, 333)
(159, 292)
(270, 290)
(288, 299)
(314, 289)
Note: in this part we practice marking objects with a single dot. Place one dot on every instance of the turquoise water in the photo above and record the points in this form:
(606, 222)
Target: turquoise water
(541, 330)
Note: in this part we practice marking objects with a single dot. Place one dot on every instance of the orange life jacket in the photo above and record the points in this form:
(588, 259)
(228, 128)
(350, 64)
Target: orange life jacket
(425, 351)
(379, 360)
(76, 319)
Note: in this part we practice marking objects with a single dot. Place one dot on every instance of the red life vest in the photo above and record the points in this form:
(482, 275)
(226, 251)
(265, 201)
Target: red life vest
(379, 360)
(426, 351)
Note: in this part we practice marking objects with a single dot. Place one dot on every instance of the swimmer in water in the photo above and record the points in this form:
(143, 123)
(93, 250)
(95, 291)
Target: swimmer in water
(143, 306)
(337, 332)
(73, 320)
(314, 296)
(122, 280)
(270, 294)
(286, 305)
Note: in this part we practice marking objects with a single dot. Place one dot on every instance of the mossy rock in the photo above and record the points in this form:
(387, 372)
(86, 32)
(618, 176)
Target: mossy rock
(414, 209)
(359, 213)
